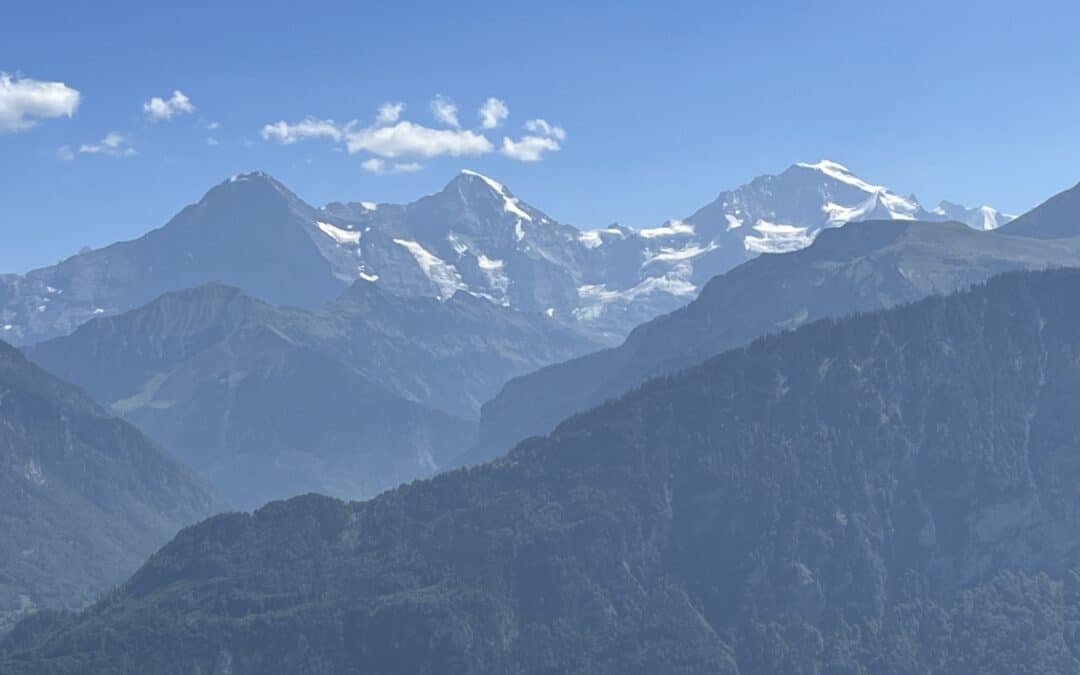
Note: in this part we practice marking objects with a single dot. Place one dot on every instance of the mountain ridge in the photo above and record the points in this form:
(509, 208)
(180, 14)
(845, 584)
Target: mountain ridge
(862, 266)
(857, 495)
(474, 235)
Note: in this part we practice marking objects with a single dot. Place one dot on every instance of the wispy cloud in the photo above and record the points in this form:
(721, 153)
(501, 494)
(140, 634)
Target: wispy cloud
(160, 109)
(24, 101)
(543, 137)
(541, 126)
(389, 113)
(445, 111)
(287, 134)
(113, 145)
(492, 113)
(380, 167)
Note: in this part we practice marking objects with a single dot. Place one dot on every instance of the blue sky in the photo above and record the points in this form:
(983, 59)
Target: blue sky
(662, 104)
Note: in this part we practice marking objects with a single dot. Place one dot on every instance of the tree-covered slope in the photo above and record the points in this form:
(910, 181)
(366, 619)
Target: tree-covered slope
(893, 492)
(249, 231)
(860, 267)
(84, 497)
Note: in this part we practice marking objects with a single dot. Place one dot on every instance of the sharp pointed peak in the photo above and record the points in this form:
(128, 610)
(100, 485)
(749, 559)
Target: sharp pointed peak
(255, 178)
(470, 176)
(257, 175)
(825, 166)
(251, 182)
(469, 185)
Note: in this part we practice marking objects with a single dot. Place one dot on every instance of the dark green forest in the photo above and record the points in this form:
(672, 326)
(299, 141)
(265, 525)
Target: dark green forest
(893, 492)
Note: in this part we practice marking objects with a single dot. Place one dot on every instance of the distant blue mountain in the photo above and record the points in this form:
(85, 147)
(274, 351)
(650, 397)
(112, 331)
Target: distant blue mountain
(84, 497)
(269, 402)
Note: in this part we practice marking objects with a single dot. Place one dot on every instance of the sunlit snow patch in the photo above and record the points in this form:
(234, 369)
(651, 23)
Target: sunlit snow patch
(597, 297)
(669, 254)
(496, 276)
(668, 229)
(340, 235)
(777, 238)
(444, 275)
(595, 238)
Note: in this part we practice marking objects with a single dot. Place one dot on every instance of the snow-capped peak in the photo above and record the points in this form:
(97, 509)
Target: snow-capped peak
(838, 171)
(980, 217)
(511, 204)
(252, 175)
(491, 182)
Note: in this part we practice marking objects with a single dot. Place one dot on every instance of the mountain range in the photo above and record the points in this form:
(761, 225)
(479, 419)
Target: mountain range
(860, 267)
(891, 492)
(268, 402)
(473, 236)
(84, 497)
(278, 348)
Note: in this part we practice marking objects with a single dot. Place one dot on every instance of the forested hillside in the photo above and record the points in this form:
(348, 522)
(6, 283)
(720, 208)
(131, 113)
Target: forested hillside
(892, 492)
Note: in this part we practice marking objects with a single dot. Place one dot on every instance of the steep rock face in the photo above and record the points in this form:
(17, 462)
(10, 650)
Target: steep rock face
(84, 497)
(452, 355)
(250, 232)
(886, 493)
(863, 266)
(272, 402)
(475, 234)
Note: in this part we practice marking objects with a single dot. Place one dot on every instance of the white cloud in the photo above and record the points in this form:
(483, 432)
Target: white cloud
(445, 111)
(213, 126)
(492, 113)
(391, 137)
(159, 109)
(389, 113)
(541, 127)
(212, 141)
(529, 148)
(65, 153)
(287, 134)
(406, 138)
(113, 145)
(379, 167)
(543, 137)
(22, 100)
